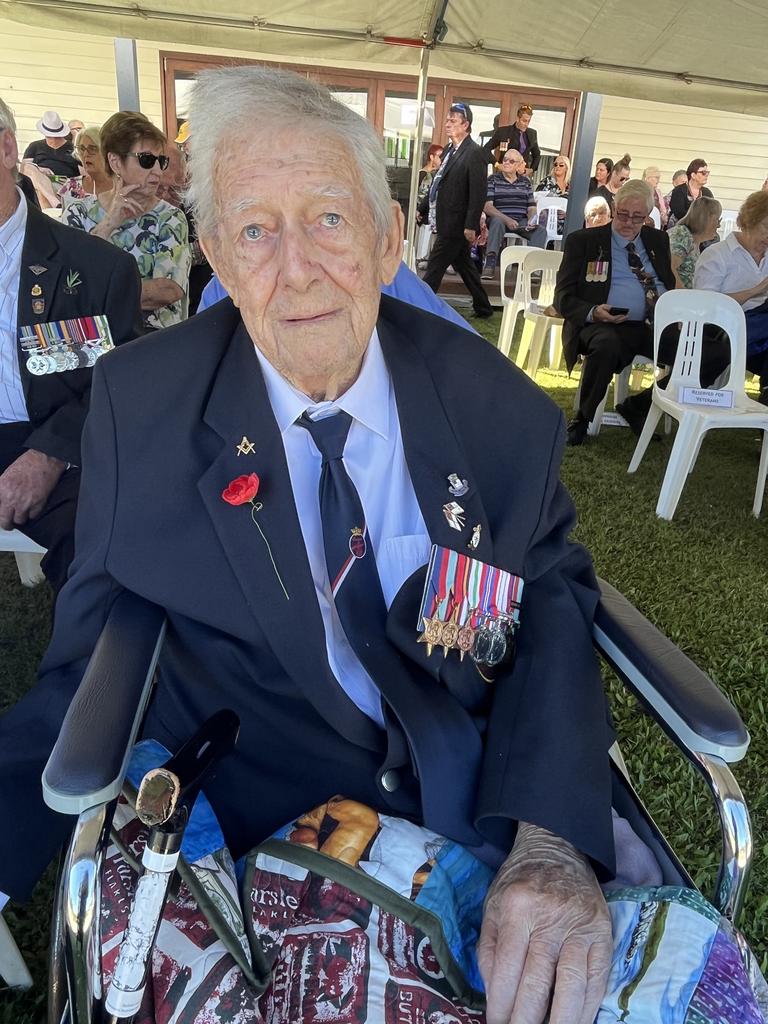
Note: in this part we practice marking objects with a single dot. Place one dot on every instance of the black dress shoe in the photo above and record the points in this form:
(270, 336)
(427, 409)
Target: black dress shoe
(576, 432)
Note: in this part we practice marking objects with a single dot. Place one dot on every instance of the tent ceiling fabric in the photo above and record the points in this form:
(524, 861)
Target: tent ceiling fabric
(667, 50)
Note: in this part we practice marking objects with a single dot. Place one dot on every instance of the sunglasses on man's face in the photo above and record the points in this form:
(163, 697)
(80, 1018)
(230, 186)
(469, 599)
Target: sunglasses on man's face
(147, 160)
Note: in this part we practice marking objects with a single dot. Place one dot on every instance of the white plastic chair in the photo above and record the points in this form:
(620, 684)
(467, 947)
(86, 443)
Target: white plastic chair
(512, 256)
(621, 383)
(537, 325)
(727, 223)
(28, 556)
(551, 204)
(510, 238)
(656, 218)
(694, 309)
(13, 970)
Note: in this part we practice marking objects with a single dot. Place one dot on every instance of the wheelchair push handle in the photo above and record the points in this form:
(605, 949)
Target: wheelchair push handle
(164, 802)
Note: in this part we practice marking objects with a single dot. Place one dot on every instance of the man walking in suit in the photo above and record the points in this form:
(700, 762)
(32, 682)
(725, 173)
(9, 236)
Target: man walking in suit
(607, 286)
(53, 281)
(519, 136)
(308, 423)
(457, 196)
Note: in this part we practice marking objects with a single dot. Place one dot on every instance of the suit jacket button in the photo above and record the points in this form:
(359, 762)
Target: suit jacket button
(390, 780)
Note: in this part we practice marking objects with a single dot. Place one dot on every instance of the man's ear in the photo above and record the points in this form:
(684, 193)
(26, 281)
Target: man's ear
(392, 246)
(220, 267)
(9, 150)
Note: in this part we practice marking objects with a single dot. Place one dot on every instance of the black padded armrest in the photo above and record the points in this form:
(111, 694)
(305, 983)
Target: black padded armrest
(87, 765)
(685, 701)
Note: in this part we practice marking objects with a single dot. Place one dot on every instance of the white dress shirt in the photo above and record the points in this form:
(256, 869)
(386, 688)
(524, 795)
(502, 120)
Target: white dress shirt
(13, 406)
(727, 267)
(375, 461)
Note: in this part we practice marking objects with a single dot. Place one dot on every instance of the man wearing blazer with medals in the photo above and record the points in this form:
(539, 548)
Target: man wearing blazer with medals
(305, 389)
(607, 285)
(50, 274)
(456, 200)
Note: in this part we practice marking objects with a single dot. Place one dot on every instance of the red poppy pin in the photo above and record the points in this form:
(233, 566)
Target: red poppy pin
(242, 491)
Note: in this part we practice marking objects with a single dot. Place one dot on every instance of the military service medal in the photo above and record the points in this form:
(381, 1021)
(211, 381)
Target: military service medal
(469, 606)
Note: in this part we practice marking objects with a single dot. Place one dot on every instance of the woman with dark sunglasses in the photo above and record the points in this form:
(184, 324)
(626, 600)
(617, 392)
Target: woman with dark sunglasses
(130, 215)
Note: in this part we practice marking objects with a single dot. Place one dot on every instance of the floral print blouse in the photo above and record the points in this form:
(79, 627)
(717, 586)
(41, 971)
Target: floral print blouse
(158, 241)
(681, 244)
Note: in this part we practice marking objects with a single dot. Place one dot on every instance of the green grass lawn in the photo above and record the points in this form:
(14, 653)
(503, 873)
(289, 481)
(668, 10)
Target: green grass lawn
(702, 579)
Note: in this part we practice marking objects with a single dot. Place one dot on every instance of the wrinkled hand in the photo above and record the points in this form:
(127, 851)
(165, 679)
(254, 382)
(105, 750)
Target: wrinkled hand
(511, 223)
(601, 315)
(545, 926)
(125, 204)
(25, 487)
(470, 235)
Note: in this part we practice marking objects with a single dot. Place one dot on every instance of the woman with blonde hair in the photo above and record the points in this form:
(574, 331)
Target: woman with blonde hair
(738, 267)
(95, 177)
(686, 237)
(618, 176)
(559, 181)
(652, 176)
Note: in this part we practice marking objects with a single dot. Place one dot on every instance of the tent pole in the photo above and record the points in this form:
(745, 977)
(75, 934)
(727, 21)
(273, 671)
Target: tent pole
(421, 105)
(127, 73)
(581, 169)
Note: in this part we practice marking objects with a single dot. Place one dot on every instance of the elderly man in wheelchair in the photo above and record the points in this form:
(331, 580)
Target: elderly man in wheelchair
(323, 569)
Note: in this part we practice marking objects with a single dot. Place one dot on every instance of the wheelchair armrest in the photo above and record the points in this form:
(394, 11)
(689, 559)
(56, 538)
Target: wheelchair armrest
(88, 762)
(682, 698)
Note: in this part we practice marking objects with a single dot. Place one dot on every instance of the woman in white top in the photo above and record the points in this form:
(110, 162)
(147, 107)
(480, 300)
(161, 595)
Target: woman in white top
(738, 267)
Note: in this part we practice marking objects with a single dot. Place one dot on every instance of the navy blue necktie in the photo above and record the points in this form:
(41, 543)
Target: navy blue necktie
(355, 583)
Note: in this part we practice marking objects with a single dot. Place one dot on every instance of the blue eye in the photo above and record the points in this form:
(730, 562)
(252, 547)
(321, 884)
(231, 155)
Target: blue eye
(331, 220)
(253, 232)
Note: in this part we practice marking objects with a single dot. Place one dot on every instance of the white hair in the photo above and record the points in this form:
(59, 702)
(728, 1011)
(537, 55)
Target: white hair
(6, 118)
(224, 101)
(635, 189)
(595, 204)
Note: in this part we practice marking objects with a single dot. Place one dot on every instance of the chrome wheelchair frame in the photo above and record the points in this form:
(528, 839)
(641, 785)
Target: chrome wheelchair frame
(85, 781)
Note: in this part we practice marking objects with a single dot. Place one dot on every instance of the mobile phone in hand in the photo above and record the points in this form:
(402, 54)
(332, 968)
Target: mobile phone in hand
(618, 310)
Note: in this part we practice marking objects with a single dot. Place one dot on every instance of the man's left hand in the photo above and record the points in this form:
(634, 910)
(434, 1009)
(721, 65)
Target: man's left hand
(546, 927)
(470, 235)
(25, 487)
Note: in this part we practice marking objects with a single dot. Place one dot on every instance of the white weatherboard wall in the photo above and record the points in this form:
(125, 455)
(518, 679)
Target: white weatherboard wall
(75, 74)
(735, 146)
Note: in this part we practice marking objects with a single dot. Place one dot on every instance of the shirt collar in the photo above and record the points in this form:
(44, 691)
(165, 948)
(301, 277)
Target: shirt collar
(15, 225)
(367, 400)
(623, 242)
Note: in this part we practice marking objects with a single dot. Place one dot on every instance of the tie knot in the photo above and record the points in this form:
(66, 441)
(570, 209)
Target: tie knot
(329, 434)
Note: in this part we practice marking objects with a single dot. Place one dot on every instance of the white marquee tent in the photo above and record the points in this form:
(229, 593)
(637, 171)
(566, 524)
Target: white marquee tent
(676, 51)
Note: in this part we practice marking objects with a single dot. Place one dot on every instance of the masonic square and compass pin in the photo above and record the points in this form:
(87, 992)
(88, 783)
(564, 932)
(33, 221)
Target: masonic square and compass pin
(469, 606)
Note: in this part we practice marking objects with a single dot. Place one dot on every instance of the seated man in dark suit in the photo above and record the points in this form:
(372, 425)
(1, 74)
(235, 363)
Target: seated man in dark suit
(361, 426)
(50, 274)
(607, 285)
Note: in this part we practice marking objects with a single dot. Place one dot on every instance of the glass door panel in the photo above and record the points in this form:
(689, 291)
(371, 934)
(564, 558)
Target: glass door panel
(400, 117)
(355, 99)
(549, 123)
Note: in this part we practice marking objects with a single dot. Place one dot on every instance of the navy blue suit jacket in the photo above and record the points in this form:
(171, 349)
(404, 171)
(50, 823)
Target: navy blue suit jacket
(474, 758)
(108, 282)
